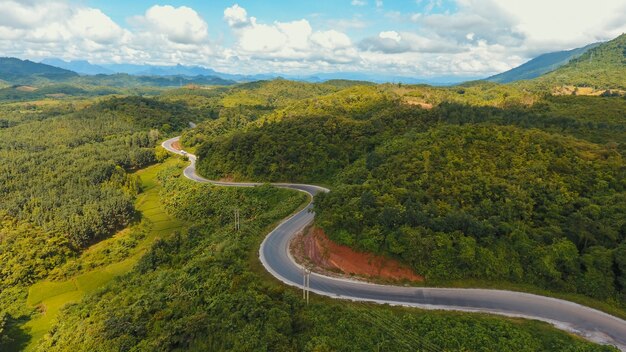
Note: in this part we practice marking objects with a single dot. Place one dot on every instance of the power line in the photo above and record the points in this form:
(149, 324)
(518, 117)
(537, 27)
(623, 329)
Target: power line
(391, 326)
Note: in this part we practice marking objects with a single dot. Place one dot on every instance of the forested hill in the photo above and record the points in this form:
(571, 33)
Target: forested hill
(462, 182)
(432, 176)
(18, 71)
(540, 65)
(603, 67)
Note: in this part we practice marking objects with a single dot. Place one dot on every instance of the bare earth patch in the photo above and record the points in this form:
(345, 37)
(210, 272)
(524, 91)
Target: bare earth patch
(417, 102)
(574, 90)
(176, 145)
(26, 89)
(312, 248)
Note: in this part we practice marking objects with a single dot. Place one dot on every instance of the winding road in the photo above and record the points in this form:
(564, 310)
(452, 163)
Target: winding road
(274, 253)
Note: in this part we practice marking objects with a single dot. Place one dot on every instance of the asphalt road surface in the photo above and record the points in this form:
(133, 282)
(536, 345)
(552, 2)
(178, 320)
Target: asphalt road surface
(274, 253)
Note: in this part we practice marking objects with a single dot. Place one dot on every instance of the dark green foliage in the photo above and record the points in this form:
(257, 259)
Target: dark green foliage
(195, 291)
(64, 177)
(595, 119)
(488, 202)
(309, 141)
(145, 113)
(526, 207)
(273, 94)
(11, 336)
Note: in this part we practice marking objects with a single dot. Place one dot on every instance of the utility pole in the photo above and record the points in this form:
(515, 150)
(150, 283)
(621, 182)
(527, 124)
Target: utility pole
(306, 284)
(236, 219)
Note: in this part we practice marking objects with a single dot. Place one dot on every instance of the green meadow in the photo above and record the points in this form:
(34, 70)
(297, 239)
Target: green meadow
(50, 295)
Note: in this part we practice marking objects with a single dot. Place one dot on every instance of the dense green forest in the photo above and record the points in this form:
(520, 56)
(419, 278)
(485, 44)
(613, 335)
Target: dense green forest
(530, 194)
(480, 181)
(196, 291)
(487, 202)
(66, 182)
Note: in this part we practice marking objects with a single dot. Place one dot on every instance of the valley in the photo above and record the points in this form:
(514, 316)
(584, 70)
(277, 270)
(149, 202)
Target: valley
(479, 216)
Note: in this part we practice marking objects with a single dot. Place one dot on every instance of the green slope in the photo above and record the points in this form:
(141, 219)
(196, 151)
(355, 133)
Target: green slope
(18, 71)
(540, 65)
(603, 67)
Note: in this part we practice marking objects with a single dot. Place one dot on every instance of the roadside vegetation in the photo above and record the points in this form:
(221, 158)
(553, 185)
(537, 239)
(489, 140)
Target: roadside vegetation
(195, 290)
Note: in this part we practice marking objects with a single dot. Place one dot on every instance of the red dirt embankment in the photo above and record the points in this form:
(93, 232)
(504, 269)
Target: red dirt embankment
(176, 145)
(316, 250)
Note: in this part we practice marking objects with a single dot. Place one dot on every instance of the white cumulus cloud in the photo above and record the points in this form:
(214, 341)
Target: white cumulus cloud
(95, 25)
(331, 39)
(473, 38)
(287, 41)
(393, 35)
(236, 16)
(178, 24)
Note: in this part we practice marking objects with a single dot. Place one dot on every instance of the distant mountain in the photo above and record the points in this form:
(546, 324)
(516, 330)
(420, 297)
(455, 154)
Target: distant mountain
(84, 67)
(80, 66)
(16, 71)
(540, 65)
(376, 78)
(125, 80)
(150, 70)
(602, 67)
(179, 70)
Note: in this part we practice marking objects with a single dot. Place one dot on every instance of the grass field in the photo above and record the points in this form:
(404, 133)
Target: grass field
(50, 296)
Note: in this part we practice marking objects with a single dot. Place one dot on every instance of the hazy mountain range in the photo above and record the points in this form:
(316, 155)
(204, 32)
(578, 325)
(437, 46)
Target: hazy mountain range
(85, 68)
(15, 71)
(529, 70)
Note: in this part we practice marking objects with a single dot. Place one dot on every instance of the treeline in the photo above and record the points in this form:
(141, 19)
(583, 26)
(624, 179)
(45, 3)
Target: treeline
(196, 291)
(595, 119)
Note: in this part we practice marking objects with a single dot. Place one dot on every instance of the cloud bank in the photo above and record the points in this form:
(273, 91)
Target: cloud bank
(478, 38)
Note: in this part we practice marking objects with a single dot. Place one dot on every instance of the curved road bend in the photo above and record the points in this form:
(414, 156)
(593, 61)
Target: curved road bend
(589, 323)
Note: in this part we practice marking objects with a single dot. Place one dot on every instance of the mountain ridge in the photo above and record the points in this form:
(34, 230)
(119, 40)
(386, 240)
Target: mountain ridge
(602, 67)
(16, 71)
(540, 65)
(83, 67)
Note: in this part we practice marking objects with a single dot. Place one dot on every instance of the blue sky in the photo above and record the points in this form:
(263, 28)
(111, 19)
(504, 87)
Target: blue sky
(416, 38)
(323, 14)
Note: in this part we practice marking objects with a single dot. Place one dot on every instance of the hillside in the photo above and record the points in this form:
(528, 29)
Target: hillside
(18, 71)
(540, 65)
(603, 67)
(405, 177)
(68, 169)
